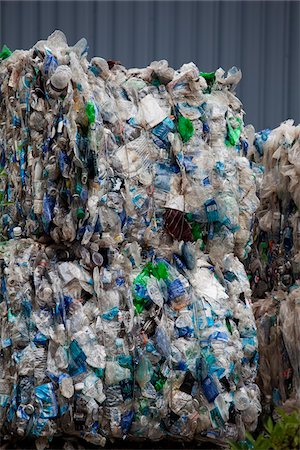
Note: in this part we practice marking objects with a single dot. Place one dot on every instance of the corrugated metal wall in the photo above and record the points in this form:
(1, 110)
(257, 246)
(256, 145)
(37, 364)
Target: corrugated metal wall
(262, 38)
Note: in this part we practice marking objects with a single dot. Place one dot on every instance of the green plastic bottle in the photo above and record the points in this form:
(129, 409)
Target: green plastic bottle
(5, 52)
(90, 112)
(185, 128)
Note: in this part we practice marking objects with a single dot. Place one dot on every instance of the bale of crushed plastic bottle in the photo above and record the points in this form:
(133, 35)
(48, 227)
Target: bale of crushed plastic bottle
(141, 143)
(126, 200)
(150, 350)
(274, 263)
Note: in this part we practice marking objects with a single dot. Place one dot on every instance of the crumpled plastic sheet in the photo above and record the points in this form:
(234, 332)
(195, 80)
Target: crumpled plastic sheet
(127, 199)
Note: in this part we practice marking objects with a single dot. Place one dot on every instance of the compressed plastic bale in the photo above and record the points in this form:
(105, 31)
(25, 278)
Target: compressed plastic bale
(276, 230)
(143, 335)
(73, 147)
(273, 264)
(77, 358)
(277, 318)
(289, 316)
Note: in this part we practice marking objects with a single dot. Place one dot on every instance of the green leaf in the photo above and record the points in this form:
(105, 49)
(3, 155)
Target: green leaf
(236, 445)
(269, 425)
(262, 443)
(278, 434)
(281, 412)
(250, 438)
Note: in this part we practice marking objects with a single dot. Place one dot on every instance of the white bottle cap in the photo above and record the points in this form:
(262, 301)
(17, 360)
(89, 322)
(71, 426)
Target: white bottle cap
(17, 231)
(47, 293)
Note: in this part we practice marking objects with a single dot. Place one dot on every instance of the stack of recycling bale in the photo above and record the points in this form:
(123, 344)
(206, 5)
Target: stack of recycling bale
(274, 263)
(127, 204)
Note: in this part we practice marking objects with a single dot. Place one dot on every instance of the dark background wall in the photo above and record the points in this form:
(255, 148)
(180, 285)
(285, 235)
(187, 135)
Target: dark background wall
(262, 38)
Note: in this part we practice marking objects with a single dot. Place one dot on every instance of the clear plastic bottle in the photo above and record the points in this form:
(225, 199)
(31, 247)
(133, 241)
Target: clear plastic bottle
(59, 81)
(241, 399)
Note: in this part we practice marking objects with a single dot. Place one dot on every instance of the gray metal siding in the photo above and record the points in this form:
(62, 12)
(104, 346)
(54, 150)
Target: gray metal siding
(262, 38)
